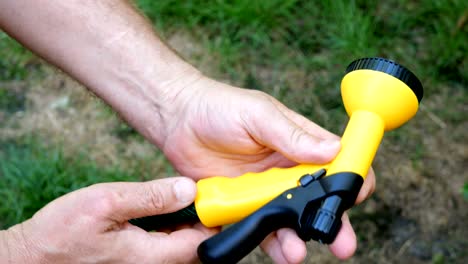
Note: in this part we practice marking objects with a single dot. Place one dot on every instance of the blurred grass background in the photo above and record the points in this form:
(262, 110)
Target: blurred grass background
(296, 51)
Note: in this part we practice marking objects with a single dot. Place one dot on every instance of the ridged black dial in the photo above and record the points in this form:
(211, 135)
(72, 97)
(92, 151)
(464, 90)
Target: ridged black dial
(392, 68)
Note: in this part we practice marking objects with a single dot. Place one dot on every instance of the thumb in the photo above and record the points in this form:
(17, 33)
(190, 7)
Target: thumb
(294, 136)
(134, 200)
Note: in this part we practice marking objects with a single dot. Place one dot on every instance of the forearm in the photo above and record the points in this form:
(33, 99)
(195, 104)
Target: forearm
(110, 48)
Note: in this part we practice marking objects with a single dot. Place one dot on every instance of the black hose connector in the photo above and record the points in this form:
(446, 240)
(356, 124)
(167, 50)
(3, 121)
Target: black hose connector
(156, 222)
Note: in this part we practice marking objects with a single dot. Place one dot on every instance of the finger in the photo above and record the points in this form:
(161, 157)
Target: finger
(369, 184)
(271, 127)
(180, 246)
(293, 248)
(123, 201)
(368, 187)
(345, 243)
(177, 247)
(306, 124)
(284, 246)
(210, 231)
(272, 246)
(198, 226)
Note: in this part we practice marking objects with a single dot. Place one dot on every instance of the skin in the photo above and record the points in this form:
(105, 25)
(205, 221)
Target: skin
(204, 127)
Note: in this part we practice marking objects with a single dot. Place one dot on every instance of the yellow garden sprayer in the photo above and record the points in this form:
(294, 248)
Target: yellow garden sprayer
(379, 95)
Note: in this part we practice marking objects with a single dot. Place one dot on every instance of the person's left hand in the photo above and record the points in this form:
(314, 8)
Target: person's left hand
(219, 130)
(90, 225)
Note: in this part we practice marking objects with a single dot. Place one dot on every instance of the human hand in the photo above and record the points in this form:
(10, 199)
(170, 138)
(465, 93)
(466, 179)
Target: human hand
(90, 226)
(217, 129)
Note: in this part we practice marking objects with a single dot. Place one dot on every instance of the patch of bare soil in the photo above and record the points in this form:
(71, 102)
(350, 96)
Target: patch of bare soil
(61, 111)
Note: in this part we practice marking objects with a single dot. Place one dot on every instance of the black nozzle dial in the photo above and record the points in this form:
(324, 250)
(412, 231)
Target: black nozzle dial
(389, 67)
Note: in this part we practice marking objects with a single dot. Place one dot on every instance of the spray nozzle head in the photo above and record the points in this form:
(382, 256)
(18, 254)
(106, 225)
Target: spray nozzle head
(383, 87)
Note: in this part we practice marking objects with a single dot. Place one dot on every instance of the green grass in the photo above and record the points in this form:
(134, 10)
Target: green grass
(16, 64)
(15, 61)
(11, 101)
(32, 175)
(321, 37)
(465, 191)
(346, 29)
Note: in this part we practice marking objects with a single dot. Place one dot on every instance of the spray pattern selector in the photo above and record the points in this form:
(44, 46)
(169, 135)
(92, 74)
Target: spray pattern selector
(313, 209)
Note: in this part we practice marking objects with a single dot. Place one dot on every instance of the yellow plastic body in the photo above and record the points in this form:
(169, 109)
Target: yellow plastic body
(223, 200)
(375, 101)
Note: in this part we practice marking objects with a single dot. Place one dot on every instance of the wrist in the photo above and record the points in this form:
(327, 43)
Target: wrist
(176, 95)
(16, 246)
(154, 105)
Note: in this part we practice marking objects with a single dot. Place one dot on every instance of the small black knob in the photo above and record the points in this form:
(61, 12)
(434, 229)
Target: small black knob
(327, 221)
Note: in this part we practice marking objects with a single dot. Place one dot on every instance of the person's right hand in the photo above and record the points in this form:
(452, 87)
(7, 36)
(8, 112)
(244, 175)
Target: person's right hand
(214, 129)
(90, 226)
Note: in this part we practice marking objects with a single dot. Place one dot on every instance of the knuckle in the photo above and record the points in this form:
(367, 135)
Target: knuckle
(257, 93)
(296, 137)
(261, 97)
(155, 199)
(261, 106)
(101, 202)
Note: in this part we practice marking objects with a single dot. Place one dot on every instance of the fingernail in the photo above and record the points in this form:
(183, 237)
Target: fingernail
(185, 190)
(329, 144)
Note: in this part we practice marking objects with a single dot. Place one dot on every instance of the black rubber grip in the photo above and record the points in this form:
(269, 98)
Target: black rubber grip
(152, 223)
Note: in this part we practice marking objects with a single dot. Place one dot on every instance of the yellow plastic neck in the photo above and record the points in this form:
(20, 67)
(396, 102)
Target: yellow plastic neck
(360, 142)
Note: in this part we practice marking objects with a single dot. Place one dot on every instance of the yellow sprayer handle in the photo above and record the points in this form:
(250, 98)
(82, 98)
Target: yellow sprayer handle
(223, 200)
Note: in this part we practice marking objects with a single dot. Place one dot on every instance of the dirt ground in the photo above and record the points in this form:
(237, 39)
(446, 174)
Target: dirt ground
(416, 215)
